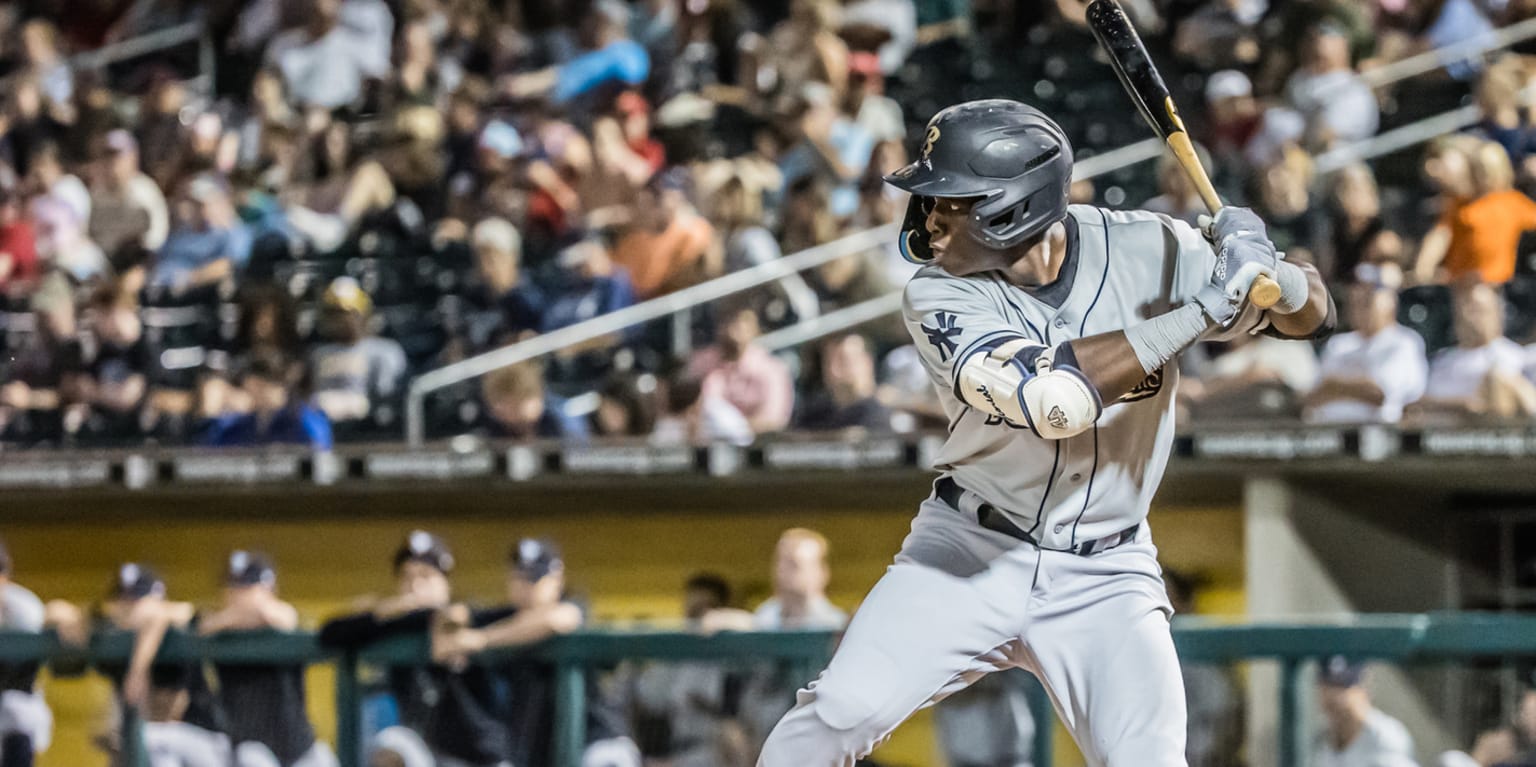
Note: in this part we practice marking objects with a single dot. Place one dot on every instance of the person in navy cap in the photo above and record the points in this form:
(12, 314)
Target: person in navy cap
(1357, 734)
(264, 705)
(539, 609)
(449, 714)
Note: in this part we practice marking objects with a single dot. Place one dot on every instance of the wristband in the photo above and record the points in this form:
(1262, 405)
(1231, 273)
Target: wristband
(1159, 339)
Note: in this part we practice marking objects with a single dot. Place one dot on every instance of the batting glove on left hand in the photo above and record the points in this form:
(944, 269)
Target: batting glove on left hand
(1243, 250)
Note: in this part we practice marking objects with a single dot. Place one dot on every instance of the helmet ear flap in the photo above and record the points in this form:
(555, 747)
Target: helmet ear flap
(915, 239)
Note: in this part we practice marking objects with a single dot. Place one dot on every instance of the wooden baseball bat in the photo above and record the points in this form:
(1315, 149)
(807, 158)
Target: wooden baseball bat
(1145, 85)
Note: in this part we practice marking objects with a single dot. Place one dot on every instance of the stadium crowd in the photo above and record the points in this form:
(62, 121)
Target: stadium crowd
(361, 190)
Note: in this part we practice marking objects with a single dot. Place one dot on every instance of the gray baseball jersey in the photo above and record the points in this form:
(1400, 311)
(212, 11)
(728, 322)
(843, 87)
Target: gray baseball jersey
(1129, 266)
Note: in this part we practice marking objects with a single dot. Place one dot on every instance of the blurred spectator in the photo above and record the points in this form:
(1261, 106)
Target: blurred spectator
(832, 147)
(1356, 228)
(18, 243)
(988, 724)
(800, 578)
(208, 242)
(61, 242)
(517, 405)
(516, 303)
(679, 706)
(39, 366)
(26, 723)
(1448, 168)
(1232, 115)
(1503, 110)
(263, 704)
(445, 712)
(325, 63)
(266, 327)
(1250, 374)
(587, 284)
(44, 63)
(888, 26)
(1482, 236)
(126, 205)
(1356, 732)
(626, 406)
(1283, 196)
(739, 371)
(26, 125)
(1491, 748)
(337, 188)
(117, 387)
(879, 115)
(738, 214)
(1337, 102)
(668, 245)
(49, 177)
(1370, 373)
(845, 398)
(1221, 34)
(907, 389)
(279, 413)
(610, 59)
(1214, 728)
(538, 609)
(354, 370)
(805, 48)
(1481, 375)
(1177, 196)
(696, 417)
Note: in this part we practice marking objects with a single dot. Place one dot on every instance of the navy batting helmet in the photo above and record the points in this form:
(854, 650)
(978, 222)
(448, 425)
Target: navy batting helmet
(1008, 154)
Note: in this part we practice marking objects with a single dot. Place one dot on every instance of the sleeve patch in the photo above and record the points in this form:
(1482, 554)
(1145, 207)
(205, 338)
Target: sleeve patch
(943, 334)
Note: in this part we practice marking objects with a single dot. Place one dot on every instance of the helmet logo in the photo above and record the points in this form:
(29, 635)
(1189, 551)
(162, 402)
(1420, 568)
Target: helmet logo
(928, 141)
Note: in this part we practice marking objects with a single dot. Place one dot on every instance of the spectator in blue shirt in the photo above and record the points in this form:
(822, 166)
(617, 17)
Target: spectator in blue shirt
(611, 59)
(278, 414)
(588, 284)
(208, 242)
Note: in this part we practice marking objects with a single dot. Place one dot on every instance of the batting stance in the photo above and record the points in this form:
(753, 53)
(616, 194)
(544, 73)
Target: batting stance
(1051, 333)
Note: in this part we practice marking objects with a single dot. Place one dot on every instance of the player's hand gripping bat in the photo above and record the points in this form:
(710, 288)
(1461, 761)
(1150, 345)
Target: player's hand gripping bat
(1141, 80)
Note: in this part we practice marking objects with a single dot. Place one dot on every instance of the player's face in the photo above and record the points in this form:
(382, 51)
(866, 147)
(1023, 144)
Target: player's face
(423, 581)
(953, 251)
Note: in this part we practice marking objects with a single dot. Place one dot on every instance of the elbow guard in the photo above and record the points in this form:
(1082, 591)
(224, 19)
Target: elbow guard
(1032, 386)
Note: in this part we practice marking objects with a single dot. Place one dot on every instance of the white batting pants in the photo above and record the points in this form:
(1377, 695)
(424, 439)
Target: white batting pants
(962, 601)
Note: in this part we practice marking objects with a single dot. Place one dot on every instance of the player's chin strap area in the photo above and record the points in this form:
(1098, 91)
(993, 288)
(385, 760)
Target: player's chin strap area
(1030, 385)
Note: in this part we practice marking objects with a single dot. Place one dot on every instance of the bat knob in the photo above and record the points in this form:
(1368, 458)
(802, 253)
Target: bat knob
(1264, 292)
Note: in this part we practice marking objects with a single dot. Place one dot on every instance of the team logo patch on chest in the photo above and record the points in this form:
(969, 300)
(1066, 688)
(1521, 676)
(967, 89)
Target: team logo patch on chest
(1149, 387)
(944, 334)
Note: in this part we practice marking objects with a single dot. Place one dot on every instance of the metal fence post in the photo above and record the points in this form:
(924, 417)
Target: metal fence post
(1292, 739)
(349, 712)
(570, 713)
(1045, 722)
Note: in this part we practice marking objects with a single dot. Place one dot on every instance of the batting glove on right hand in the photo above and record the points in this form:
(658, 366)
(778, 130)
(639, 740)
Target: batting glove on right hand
(1243, 250)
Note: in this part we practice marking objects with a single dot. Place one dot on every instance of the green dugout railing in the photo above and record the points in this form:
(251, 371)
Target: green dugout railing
(1430, 638)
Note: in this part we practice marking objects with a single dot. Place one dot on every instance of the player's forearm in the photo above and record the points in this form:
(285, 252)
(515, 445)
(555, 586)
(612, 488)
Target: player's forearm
(1110, 363)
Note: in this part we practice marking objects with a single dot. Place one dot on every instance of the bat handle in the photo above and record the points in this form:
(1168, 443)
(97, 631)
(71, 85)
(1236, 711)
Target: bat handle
(1264, 292)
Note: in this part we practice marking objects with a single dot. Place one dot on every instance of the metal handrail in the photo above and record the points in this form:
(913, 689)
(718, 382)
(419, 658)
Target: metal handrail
(1085, 169)
(132, 48)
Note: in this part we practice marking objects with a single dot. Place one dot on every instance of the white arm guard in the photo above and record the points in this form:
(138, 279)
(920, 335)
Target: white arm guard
(1019, 382)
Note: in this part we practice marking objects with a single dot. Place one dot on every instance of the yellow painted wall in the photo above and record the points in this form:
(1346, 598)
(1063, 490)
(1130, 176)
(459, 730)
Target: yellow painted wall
(631, 565)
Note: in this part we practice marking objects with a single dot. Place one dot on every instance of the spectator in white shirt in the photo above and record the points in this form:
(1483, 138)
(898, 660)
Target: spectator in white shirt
(325, 63)
(1357, 733)
(800, 577)
(1481, 375)
(1337, 102)
(1370, 373)
(126, 204)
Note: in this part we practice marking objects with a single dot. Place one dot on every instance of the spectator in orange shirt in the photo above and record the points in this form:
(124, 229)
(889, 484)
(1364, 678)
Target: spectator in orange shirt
(669, 245)
(739, 371)
(1477, 241)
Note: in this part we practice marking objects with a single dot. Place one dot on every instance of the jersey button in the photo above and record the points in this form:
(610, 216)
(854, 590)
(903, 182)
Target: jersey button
(1061, 323)
(1078, 477)
(1059, 528)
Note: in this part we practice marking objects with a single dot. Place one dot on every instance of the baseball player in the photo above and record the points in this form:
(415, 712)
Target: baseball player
(1048, 330)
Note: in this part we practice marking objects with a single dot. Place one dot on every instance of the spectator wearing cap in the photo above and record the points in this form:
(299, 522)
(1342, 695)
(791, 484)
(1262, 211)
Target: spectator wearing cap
(1338, 104)
(26, 723)
(19, 264)
(887, 26)
(182, 720)
(517, 405)
(610, 59)
(262, 704)
(207, 244)
(737, 370)
(325, 63)
(538, 609)
(1479, 239)
(846, 397)
(279, 413)
(1356, 733)
(587, 284)
(126, 204)
(449, 713)
(668, 245)
(1370, 373)
(354, 370)
(1481, 374)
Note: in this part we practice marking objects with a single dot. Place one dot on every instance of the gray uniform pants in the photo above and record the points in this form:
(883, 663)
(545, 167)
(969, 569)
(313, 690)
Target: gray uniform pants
(962, 601)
